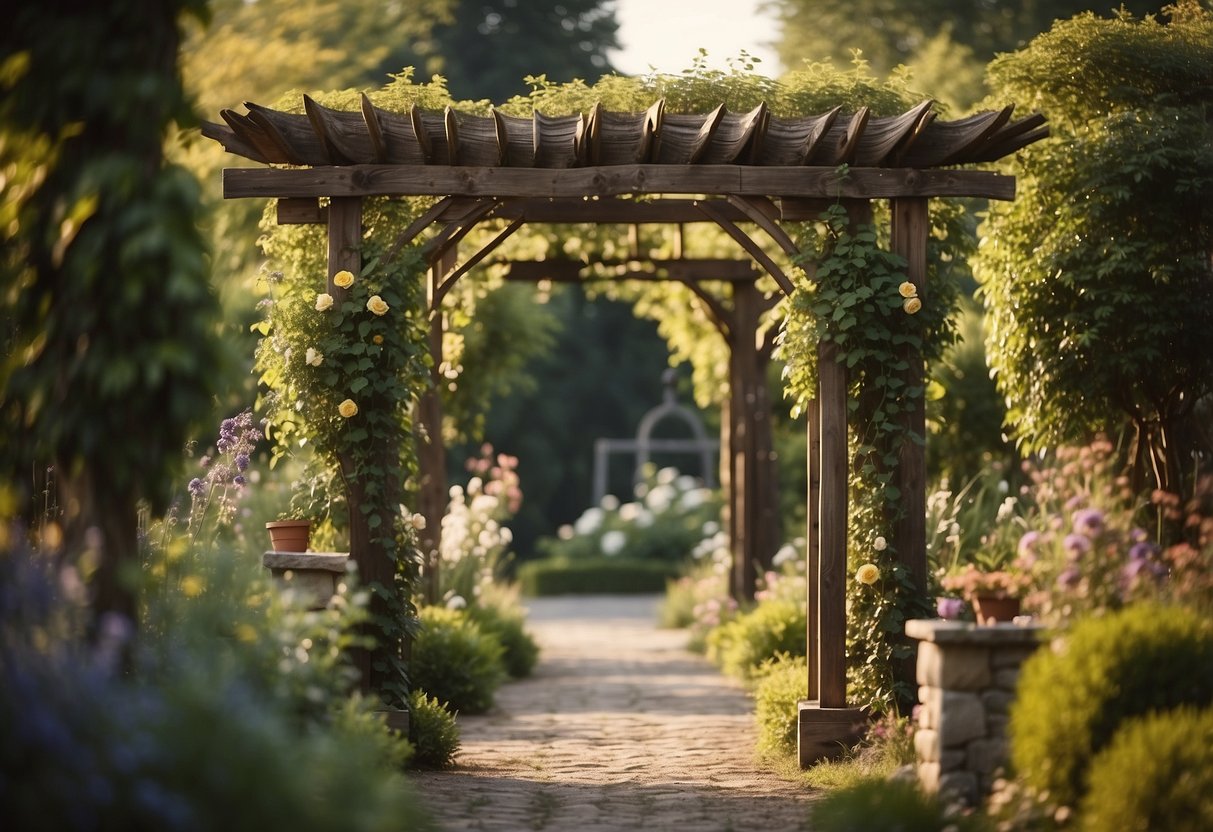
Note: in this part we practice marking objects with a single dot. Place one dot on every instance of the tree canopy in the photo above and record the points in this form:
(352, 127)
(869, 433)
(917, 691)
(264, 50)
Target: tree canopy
(1098, 278)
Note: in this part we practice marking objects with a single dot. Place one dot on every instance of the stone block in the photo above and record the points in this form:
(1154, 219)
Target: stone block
(928, 777)
(1006, 678)
(997, 701)
(928, 713)
(986, 756)
(959, 785)
(996, 726)
(961, 718)
(926, 745)
(955, 667)
(1010, 656)
(952, 760)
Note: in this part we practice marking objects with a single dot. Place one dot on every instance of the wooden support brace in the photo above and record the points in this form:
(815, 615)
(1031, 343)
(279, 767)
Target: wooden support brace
(744, 240)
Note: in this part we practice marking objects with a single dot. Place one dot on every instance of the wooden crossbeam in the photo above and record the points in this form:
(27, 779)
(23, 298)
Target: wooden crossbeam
(615, 180)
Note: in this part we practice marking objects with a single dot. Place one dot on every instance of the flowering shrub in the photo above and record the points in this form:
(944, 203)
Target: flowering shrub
(1190, 558)
(669, 520)
(345, 365)
(475, 540)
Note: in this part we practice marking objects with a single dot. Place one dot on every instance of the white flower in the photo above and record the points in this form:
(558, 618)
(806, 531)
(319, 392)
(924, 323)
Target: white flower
(612, 542)
(609, 503)
(323, 301)
(710, 528)
(417, 521)
(312, 357)
(686, 482)
(456, 602)
(628, 512)
(666, 476)
(644, 519)
(880, 544)
(565, 532)
(660, 497)
(590, 520)
(786, 554)
(693, 499)
(1007, 509)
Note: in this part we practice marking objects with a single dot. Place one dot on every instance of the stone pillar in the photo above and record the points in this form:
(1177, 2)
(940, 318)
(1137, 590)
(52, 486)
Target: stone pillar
(966, 684)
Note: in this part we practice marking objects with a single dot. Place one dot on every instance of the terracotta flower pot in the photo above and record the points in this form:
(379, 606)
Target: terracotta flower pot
(289, 535)
(992, 609)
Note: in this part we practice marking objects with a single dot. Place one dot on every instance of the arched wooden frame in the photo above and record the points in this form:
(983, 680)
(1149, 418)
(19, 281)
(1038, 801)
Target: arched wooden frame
(764, 166)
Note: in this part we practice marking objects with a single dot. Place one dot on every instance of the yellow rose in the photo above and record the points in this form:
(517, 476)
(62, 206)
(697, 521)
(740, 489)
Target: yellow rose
(378, 339)
(907, 289)
(323, 301)
(348, 409)
(344, 279)
(868, 574)
(911, 305)
(314, 358)
(377, 305)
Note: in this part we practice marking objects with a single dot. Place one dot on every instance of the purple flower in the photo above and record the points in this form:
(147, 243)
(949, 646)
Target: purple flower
(949, 608)
(1069, 578)
(1141, 551)
(1089, 522)
(1138, 535)
(1076, 545)
(241, 462)
(1027, 543)
(238, 479)
(197, 487)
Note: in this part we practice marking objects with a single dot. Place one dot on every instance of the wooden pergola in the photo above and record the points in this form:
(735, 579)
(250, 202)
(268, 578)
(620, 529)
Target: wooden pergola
(744, 172)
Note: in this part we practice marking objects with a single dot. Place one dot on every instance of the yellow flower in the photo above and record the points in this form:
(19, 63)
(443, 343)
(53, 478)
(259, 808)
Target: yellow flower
(344, 279)
(192, 586)
(348, 409)
(314, 358)
(323, 301)
(907, 289)
(868, 574)
(377, 305)
(880, 544)
(378, 339)
(911, 305)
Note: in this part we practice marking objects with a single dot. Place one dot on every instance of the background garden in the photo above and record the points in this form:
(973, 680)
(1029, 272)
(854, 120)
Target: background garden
(168, 388)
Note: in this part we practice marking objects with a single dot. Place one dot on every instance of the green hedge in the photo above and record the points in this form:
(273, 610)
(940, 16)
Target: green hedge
(590, 576)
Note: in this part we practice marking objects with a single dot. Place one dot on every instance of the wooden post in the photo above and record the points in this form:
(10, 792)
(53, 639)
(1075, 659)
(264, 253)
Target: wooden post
(831, 598)
(374, 565)
(743, 447)
(813, 548)
(431, 450)
(910, 230)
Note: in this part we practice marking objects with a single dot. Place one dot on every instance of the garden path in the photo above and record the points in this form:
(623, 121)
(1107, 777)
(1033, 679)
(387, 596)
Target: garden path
(620, 728)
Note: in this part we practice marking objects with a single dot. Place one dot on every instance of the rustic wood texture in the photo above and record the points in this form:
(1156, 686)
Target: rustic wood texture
(915, 138)
(813, 548)
(910, 230)
(301, 212)
(743, 239)
(825, 733)
(499, 182)
(832, 621)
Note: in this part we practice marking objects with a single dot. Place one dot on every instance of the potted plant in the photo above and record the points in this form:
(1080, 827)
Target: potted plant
(993, 594)
(289, 535)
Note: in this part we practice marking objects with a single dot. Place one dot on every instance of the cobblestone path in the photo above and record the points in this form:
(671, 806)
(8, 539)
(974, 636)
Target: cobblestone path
(619, 729)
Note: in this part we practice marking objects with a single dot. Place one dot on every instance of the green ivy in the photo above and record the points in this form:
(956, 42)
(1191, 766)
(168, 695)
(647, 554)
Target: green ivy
(860, 301)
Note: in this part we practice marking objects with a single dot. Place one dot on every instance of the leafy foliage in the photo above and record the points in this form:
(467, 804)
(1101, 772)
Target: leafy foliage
(456, 662)
(884, 806)
(741, 646)
(1072, 701)
(1157, 773)
(434, 730)
(586, 576)
(782, 683)
(1095, 278)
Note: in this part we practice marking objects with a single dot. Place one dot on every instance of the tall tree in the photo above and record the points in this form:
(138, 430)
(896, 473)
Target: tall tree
(945, 41)
(109, 355)
(1098, 279)
(489, 46)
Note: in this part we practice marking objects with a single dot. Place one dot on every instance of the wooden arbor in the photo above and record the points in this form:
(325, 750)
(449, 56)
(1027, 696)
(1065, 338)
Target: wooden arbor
(745, 171)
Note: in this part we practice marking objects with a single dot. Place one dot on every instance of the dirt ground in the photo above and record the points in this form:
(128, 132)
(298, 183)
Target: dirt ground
(620, 728)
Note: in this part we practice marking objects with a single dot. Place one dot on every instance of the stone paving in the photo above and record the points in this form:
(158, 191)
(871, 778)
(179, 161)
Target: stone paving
(619, 729)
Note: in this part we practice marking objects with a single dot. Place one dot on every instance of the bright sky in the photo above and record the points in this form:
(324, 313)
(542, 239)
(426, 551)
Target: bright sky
(667, 34)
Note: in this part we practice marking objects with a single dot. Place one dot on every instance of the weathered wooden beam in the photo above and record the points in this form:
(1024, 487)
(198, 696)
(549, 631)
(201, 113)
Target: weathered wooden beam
(763, 213)
(831, 598)
(813, 548)
(751, 247)
(680, 269)
(612, 210)
(615, 180)
(911, 228)
(301, 212)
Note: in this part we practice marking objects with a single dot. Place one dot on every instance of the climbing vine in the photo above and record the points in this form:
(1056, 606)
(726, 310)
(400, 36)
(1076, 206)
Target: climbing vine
(861, 302)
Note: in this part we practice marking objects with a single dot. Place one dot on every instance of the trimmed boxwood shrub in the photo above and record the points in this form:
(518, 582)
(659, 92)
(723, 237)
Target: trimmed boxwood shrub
(508, 625)
(1143, 659)
(557, 576)
(454, 661)
(739, 646)
(433, 731)
(1157, 773)
(782, 683)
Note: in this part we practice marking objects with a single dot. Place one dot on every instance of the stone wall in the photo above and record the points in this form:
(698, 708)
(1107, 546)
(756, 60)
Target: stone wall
(966, 678)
